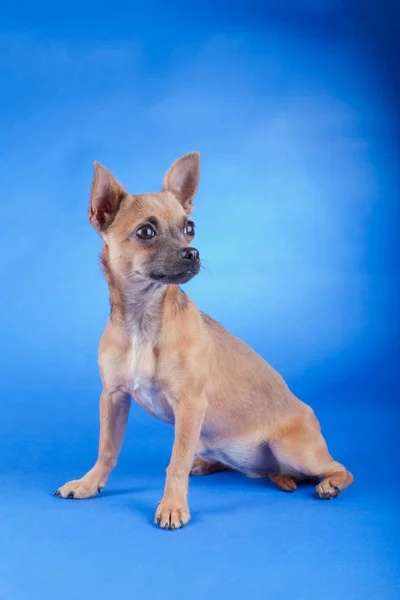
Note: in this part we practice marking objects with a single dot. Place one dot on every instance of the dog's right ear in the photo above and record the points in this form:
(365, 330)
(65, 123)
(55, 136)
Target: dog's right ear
(105, 198)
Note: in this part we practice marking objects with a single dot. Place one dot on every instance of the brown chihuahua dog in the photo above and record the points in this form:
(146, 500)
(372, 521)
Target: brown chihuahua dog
(229, 407)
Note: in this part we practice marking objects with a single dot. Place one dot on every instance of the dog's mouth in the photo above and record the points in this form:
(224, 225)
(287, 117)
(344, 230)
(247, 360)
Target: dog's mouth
(180, 277)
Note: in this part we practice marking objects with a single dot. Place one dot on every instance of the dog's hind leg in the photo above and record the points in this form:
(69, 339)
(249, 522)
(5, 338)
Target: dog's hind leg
(302, 448)
(205, 467)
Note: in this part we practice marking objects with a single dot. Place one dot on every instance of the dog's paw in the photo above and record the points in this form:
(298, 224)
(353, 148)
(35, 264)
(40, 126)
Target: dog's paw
(327, 489)
(331, 486)
(204, 467)
(284, 482)
(199, 467)
(171, 515)
(79, 489)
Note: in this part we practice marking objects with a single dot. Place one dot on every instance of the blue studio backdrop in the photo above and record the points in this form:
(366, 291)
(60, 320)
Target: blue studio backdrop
(293, 106)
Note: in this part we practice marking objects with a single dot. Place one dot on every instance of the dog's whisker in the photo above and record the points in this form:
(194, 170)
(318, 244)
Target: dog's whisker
(206, 270)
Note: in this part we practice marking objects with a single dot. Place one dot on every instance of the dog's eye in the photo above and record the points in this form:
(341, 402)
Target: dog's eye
(189, 228)
(145, 232)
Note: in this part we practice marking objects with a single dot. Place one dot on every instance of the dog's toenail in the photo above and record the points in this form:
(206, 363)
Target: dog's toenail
(70, 495)
(57, 493)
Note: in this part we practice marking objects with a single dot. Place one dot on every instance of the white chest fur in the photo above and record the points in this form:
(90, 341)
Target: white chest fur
(142, 362)
(144, 387)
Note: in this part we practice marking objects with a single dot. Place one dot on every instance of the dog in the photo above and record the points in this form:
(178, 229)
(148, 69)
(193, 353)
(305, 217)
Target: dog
(230, 409)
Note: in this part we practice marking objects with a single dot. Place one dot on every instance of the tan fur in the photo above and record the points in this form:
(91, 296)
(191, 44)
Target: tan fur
(227, 404)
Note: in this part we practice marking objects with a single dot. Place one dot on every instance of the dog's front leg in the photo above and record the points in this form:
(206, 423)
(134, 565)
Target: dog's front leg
(114, 411)
(173, 511)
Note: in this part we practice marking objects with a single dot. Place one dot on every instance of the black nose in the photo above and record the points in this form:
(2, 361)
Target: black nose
(190, 254)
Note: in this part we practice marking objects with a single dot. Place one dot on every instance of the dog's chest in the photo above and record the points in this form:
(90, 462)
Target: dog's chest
(153, 399)
(143, 385)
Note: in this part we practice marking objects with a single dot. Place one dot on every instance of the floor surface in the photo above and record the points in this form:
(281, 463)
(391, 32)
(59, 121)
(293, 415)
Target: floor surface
(246, 539)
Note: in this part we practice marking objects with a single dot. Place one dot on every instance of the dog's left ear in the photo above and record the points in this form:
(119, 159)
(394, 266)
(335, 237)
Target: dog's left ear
(182, 179)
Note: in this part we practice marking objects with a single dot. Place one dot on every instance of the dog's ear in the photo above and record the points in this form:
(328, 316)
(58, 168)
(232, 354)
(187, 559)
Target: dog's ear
(105, 198)
(182, 179)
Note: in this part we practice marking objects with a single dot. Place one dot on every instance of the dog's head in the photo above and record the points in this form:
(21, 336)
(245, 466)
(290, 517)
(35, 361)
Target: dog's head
(149, 235)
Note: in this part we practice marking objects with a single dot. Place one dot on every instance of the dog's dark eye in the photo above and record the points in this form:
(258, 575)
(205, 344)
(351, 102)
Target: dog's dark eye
(189, 228)
(145, 232)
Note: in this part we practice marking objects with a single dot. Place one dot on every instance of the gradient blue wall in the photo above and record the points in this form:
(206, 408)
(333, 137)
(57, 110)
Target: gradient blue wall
(296, 213)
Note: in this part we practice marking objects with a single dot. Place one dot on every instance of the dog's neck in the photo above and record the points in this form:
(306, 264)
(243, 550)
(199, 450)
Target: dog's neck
(138, 306)
(141, 308)
(135, 303)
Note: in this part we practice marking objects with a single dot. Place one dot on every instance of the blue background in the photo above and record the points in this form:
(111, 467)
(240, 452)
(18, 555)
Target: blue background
(294, 108)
